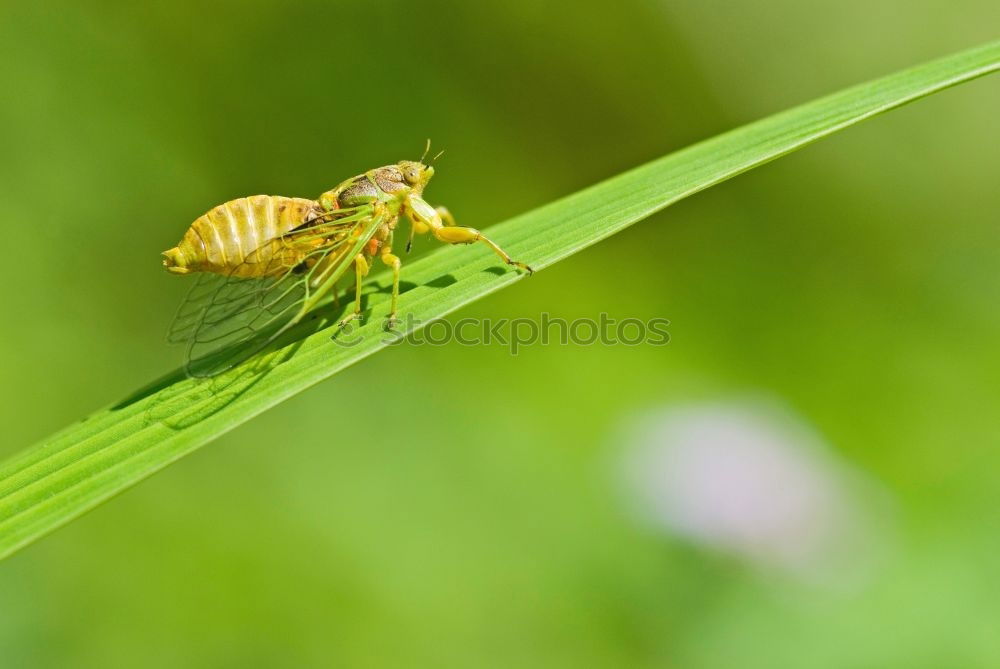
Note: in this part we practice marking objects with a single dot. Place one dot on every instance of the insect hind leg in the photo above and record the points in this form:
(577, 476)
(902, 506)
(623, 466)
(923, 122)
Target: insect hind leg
(360, 272)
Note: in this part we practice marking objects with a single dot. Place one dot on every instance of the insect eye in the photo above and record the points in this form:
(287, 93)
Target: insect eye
(411, 176)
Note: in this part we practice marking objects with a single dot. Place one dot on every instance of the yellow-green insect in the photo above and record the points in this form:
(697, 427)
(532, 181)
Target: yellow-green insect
(265, 261)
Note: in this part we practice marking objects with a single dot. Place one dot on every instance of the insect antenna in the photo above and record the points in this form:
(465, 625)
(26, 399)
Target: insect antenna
(437, 155)
(427, 148)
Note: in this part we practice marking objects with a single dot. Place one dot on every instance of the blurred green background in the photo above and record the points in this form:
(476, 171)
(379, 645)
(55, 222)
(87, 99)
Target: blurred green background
(459, 519)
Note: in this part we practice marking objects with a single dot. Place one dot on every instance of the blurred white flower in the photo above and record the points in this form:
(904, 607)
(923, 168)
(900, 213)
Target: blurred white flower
(751, 481)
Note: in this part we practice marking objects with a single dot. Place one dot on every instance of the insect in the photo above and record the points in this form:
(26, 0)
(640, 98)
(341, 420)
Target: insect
(264, 262)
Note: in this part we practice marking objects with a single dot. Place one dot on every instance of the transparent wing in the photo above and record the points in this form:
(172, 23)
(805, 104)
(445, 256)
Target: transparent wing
(190, 313)
(228, 319)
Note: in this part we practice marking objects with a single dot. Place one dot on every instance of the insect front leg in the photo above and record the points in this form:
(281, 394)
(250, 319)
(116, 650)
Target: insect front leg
(360, 272)
(442, 223)
(446, 216)
(419, 227)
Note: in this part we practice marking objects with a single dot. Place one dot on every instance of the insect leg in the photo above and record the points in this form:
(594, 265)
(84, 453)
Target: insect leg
(417, 208)
(417, 227)
(392, 261)
(458, 235)
(446, 216)
(360, 271)
(319, 272)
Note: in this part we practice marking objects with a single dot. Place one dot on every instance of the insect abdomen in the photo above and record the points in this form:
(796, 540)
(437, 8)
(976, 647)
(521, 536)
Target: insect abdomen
(220, 240)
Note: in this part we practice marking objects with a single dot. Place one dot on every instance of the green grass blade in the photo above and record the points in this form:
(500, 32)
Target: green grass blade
(64, 476)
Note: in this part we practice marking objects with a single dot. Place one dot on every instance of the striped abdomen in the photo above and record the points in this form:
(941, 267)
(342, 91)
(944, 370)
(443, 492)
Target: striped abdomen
(233, 238)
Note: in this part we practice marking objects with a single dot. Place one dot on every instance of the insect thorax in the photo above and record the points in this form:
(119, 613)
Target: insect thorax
(382, 183)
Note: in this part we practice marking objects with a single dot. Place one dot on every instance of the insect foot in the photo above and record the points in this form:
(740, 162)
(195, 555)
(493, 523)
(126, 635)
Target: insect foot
(521, 265)
(356, 316)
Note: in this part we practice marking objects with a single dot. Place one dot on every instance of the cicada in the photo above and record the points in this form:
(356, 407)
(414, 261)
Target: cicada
(266, 261)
